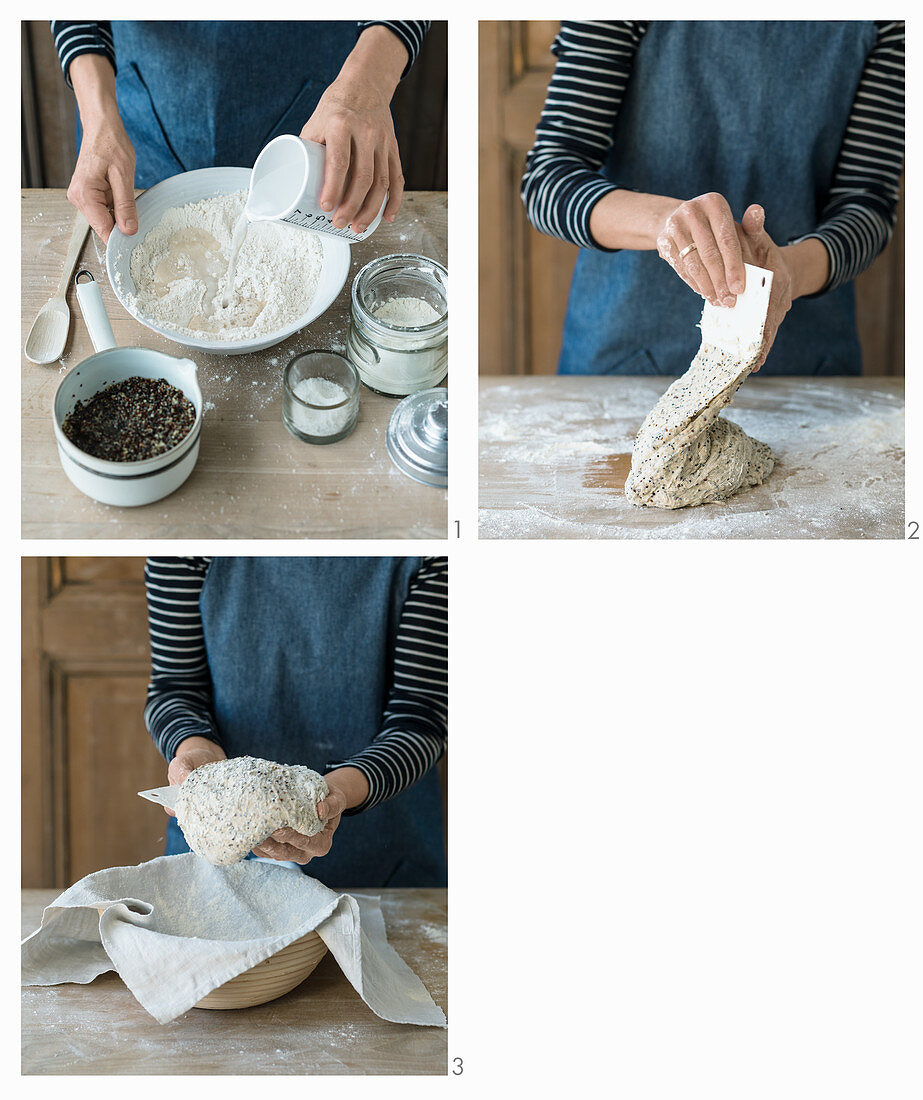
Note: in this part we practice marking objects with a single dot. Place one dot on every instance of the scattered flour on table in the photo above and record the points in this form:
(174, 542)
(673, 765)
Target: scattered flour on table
(840, 455)
(180, 271)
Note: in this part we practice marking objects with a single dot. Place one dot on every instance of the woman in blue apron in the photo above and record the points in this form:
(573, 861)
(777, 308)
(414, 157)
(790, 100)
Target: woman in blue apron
(159, 98)
(334, 663)
(707, 144)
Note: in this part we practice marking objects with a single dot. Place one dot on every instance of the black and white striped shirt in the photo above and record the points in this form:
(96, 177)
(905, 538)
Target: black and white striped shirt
(414, 725)
(71, 39)
(562, 182)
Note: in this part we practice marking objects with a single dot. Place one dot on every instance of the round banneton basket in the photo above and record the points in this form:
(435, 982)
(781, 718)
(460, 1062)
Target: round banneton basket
(269, 979)
(272, 978)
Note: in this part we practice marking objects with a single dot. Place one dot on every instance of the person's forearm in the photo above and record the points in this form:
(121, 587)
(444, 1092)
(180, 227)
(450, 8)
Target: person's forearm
(94, 86)
(352, 783)
(377, 60)
(809, 264)
(630, 219)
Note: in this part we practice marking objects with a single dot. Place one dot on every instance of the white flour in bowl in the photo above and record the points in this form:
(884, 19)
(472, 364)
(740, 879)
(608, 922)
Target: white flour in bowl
(180, 271)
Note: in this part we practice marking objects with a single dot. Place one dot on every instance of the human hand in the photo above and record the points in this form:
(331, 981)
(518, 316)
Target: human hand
(287, 844)
(353, 120)
(192, 753)
(766, 253)
(714, 268)
(103, 182)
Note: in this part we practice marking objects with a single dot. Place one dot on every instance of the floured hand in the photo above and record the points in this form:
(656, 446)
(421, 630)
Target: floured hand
(702, 243)
(191, 754)
(291, 846)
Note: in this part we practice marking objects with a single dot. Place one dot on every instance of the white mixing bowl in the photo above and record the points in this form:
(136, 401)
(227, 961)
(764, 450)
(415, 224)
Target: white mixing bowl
(193, 187)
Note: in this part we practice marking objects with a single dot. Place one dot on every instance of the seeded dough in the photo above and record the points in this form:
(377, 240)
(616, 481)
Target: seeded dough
(685, 454)
(227, 808)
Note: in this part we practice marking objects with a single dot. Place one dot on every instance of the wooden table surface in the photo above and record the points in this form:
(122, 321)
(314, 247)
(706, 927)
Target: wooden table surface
(555, 452)
(321, 1027)
(252, 479)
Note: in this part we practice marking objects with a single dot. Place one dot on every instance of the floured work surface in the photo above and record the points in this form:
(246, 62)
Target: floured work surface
(555, 452)
(321, 1027)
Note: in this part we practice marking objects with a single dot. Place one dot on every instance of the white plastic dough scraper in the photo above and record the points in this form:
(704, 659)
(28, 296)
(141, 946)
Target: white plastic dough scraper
(163, 796)
(739, 330)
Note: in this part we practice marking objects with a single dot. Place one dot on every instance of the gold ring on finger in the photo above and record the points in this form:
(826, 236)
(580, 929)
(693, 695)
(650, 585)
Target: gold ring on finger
(689, 248)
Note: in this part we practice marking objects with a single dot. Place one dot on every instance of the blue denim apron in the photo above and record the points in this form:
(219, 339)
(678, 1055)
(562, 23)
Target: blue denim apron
(753, 110)
(301, 654)
(210, 93)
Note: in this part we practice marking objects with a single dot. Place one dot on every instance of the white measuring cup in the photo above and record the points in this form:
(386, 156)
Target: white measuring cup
(285, 185)
(126, 484)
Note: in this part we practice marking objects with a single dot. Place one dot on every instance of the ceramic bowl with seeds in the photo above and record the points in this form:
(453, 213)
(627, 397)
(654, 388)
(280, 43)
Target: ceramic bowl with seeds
(129, 481)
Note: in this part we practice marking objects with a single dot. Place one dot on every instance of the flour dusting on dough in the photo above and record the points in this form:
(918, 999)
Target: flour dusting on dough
(227, 808)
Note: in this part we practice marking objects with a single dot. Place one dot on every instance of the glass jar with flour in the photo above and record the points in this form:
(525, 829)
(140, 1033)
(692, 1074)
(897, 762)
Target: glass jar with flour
(399, 324)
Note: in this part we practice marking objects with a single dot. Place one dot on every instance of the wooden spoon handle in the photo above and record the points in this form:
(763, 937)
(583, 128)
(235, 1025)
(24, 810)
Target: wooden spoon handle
(81, 225)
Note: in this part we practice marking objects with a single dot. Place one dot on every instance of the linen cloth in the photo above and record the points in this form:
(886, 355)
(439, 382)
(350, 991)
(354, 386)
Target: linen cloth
(177, 927)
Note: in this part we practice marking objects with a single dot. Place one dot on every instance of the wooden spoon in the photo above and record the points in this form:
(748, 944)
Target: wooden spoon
(48, 334)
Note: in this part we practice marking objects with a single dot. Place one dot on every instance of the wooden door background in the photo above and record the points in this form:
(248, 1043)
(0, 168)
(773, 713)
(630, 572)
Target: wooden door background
(524, 276)
(85, 751)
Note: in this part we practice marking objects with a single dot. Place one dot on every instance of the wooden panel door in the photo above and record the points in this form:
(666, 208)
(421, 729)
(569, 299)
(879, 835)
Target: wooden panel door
(85, 751)
(524, 276)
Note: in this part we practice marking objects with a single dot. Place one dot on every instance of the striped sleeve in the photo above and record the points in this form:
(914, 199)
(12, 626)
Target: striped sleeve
(858, 218)
(72, 39)
(413, 730)
(411, 32)
(179, 696)
(562, 181)
(414, 727)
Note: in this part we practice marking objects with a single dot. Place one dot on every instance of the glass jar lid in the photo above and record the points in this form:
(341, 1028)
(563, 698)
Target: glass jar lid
(418, 437)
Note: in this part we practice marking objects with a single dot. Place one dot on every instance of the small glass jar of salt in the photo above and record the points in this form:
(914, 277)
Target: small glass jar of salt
(320, 397)
(399, 324)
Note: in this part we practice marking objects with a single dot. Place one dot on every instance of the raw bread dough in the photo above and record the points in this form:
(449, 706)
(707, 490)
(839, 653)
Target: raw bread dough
(225, 809)
(685, 454)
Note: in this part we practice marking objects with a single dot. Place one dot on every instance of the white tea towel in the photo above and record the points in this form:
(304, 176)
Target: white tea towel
(177, 927)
